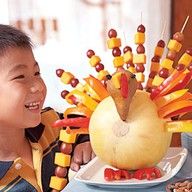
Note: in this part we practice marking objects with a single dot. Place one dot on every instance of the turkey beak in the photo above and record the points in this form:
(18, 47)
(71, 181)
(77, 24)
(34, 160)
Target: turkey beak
(123, 96)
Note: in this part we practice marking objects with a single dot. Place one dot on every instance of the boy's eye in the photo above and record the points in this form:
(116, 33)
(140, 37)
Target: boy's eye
(19, 77)
(37, 73)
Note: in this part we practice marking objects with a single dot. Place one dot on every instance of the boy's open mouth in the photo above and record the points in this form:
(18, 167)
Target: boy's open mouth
(33, 105)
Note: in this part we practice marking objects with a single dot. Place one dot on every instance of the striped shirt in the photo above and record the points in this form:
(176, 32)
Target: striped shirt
(17, 176)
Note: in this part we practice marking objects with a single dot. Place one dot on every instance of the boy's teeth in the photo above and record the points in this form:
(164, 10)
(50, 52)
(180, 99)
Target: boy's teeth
(34, 105)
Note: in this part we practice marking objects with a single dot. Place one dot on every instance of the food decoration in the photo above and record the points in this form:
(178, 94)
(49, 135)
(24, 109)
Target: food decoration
(130, 125)
(174, 46)
(140, 174)
(155, 63)
(139, 59)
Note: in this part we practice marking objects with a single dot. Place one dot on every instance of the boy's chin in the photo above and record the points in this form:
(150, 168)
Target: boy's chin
(34, 123)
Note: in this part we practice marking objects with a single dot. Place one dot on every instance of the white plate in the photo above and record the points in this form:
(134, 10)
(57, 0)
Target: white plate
(93, 172)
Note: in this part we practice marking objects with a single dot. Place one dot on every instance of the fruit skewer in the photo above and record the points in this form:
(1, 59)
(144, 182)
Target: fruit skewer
(174, 46)
(139, 59)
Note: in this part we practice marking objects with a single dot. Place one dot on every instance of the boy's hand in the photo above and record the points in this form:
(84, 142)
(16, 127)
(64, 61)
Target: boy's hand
(82, 154)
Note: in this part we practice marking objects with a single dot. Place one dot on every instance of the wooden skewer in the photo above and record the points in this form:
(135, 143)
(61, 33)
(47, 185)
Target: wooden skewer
(185, 23)
(124, 37)
(141, 17)
(163, 31)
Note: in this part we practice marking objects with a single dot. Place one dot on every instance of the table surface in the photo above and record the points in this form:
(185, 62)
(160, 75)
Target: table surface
(185, 171)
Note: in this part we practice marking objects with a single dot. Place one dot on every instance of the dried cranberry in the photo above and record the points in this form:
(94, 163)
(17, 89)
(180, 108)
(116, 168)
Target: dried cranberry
(126, 49)
(112, 33)
(59, 72)
(99, 67)
(64, 93)
(141, 29)
(90, 53)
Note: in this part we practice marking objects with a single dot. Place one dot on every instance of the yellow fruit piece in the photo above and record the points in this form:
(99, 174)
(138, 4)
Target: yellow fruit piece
(62, 160)
(82, 98)
(91, 92)
(167, 63)
(66, 77)
(174, 45)
(157, 80)
(186, 71)
(185, 59)
(154, 66)
(102, 75)
(118, 61)
(132, 69)
(139, 38)
(164, 100)
(179, 126)
(113, 42)
(139, 58)
(159, 51)
(128, 57)
(67, 138)
(57, 183)
(140, 77)
(80, 87)
(116, 80)
(94, 60)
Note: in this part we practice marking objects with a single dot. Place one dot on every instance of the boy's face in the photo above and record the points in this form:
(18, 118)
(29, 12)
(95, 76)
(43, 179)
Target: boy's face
(22, 90)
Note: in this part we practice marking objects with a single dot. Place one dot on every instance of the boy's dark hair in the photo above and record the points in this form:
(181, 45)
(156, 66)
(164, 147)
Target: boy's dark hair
(11, 37)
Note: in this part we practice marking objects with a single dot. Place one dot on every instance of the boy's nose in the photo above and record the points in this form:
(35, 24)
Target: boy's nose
(37, 86)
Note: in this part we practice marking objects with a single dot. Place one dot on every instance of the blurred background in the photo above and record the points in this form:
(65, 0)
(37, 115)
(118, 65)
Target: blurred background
(63, 31)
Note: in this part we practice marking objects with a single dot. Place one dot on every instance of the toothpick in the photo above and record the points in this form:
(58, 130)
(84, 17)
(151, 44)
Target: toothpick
(185, 23)
(163, 31)
(124, 37)
(141, 17)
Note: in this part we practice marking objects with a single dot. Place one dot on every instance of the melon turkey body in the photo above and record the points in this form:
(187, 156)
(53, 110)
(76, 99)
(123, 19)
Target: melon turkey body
(140, 141)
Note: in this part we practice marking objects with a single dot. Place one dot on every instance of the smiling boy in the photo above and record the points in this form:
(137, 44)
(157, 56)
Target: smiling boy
(27, 140)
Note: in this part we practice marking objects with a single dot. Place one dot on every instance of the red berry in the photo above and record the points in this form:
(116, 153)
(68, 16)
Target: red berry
(190, 67)
(189, 51)
(155, 59)
(55, 190)
(164, 73)
(112, 33)
(152, 74)
(171, 55)
(140, 68)
(140, 49)
(178, 36)
(130, 65)
(59, 72)
(180, 67)
(61, 171)
(154, 92)
(90, 53)
(99, 67)
(64, 93)
(116, 52)
(139, 86)
(141, 29)
(74, 82)
(161, 43)
(66, 148)
(127, 48)
(148, 89)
